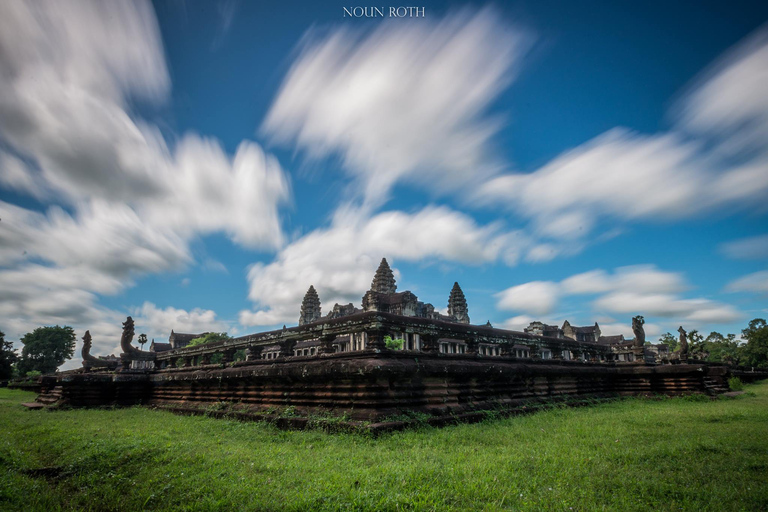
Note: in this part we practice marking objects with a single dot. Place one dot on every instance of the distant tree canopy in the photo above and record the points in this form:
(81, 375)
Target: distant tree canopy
(696, 343)
(8, 358)
(722, 349)
(46, 348)
(209, 338)
(752, 350)
(756, 349)
(669, 340)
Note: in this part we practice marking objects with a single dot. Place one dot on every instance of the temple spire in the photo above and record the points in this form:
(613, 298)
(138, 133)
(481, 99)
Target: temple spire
(384, 280)
(457, 305)
(310, 307)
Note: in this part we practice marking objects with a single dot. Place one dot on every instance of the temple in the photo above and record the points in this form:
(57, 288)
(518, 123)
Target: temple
(393, 355)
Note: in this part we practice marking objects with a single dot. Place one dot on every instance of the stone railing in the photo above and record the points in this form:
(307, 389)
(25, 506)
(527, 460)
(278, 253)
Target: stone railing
(376, 326)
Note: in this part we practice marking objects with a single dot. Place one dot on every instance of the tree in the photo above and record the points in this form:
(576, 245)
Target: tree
(756, 350)
(209, 337)
(46, 348)
(722, 349)
(8, 357)
(696, 344)
(669, 340)
(142, 339)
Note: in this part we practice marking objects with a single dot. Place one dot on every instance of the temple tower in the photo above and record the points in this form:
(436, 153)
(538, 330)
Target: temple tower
(457, 305)
(384, 280)
(310, 307)
(383, 284)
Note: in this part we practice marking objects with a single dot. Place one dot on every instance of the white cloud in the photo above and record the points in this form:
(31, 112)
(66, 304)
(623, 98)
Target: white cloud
(730, 100)
(516, 323)
(340, 260)
(105, 238)
(640, 289)
(405, 102)
(624, 175)
(119, 202)
(207, 191)
(753, 248)
(158, 322)
(70, 73)
(536, 297)
(16, 176)
(756, 283)
(667, 306)
(637, 278)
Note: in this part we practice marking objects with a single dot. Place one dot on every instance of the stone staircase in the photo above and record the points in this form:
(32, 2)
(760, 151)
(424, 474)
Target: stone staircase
(50, 397)
(715, 387)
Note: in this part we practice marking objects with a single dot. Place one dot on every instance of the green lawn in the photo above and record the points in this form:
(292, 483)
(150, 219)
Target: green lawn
(668, 454)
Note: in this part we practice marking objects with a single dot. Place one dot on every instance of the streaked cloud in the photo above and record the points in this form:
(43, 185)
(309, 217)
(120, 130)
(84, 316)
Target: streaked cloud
(756, 282)
(641, 289)
(752, 248)
(119, 202)
(715, 157)
(406, 102)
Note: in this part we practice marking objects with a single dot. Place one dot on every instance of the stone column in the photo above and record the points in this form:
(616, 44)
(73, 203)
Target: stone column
(326, 343)
(205, 359)
(187, 361)
(375, 340)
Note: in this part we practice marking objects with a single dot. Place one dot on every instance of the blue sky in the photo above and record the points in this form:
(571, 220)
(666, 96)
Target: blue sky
(198, 165)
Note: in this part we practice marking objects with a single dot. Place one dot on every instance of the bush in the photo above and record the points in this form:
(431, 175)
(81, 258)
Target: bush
(393, 343)
(33, 374)
(735, 384)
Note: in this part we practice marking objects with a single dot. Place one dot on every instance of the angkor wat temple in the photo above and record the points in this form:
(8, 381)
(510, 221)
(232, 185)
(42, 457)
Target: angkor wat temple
(393, 355)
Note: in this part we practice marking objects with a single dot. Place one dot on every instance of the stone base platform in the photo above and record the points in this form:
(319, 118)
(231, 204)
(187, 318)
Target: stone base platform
(377, 386)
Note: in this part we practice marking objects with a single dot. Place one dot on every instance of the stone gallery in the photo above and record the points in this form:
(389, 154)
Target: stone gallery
(392, 356)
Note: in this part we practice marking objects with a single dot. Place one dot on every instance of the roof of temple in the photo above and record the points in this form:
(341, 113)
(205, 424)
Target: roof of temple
(610, 340)
(159, 347)
(185, 337)
(587, 329)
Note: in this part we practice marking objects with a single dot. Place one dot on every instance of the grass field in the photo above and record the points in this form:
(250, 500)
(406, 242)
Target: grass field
(636, 454)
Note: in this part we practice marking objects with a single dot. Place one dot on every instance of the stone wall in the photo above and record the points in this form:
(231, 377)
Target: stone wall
(376, 385)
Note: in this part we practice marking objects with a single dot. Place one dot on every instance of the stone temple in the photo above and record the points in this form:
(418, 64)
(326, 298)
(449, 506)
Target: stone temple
(393, 355)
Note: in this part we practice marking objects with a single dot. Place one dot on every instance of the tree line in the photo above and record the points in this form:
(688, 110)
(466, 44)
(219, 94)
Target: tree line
(751, 350)
(44, 350)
